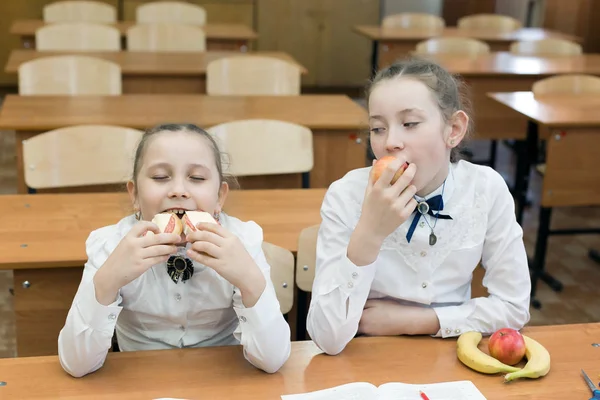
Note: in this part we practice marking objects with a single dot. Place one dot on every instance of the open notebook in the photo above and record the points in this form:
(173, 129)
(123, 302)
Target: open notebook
(459, 390)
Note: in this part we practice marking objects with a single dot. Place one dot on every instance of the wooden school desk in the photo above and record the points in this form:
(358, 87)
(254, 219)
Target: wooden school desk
(338, 124)
(235, 37)
(223, 373)
(151, 72)
(42, 239)
(571, 126)
(392, 43)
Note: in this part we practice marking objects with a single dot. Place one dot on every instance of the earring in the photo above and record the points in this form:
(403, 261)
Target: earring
(217, 216)
(452, 142)
(137, 214)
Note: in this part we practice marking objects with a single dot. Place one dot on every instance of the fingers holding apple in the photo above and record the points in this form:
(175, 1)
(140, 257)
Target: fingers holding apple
(385, 163)
(507, 346)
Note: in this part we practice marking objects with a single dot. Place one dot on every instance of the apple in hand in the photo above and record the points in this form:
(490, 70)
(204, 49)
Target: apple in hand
(381, 165)
(507, 345)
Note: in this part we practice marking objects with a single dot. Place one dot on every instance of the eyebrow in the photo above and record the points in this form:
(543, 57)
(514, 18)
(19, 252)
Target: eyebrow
(167, 165)
(405, 111)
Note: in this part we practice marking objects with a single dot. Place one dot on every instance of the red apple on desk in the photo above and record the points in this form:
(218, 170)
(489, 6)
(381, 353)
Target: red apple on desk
(381, 165)
(507, 345)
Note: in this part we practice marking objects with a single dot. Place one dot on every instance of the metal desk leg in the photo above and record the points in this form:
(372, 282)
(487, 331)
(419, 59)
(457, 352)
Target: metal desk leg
(525, 153)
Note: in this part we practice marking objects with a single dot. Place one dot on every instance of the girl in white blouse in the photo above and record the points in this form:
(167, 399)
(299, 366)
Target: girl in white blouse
(386, 268)
(223, 297)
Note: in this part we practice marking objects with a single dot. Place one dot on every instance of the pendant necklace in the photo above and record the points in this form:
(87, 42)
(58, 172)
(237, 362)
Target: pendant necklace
(423, 208)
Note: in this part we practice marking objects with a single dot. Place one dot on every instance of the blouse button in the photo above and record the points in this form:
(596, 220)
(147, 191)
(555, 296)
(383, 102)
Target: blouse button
(178, 297)
(457, 331)
(112, 317)
(422, 224)
(355, 275)
(423, 254)
(350, 285)
(448, 331)
(243, 319)
(424, 285)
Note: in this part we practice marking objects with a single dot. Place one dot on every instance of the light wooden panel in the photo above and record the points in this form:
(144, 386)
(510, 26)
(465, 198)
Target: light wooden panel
(12, 10)
(41, 309)
(323, 40)
(572, 176)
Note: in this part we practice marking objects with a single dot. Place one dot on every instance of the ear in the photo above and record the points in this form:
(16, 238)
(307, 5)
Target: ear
(223, 192)
(132, 195)
(457, 129)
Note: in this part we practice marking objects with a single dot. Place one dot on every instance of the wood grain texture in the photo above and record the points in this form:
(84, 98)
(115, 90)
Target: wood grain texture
(27, 27)
(146, 62)
(49, 230)
(211, 371)
(317, 112)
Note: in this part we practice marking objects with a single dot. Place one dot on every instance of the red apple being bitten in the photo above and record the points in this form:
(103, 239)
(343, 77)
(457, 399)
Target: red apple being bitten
(381, 165)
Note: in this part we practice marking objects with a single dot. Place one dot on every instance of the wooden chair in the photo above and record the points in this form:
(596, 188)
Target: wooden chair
(248, 75)
(413, 21)
(80, 11)
(568, 83)
(489, 22)
(306, 260)
(546, 47)
(166, 37)
(78, 36)
(282, 274)
(452, 45)
(78, 156)
(254, 147)
(171, 11)
(69, 75)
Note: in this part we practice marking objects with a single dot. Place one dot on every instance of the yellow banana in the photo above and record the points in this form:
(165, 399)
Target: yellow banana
(470, 355)
(538, 361)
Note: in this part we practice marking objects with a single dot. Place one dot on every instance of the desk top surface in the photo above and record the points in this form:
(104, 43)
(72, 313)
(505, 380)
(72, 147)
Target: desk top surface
(555, 111)
(148, 62)
(140, 111)
(376, 32)
(223, 373)
(506, 64)
(50, 230)
(27, 27)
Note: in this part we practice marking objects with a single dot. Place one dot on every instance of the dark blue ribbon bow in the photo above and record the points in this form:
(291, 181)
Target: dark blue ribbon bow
(436, 203)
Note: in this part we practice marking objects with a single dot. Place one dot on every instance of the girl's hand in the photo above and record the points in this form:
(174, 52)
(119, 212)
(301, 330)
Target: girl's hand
(219, 249)
(385, 208)
(134, 255)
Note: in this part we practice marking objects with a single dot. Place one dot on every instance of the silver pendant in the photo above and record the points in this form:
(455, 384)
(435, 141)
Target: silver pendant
(423, 207)
(432, 239)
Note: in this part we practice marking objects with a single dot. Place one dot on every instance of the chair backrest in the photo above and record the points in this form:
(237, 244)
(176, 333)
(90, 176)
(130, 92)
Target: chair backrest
(570, 83)
(83, 155)
(413, 21)
(170, 11)
(306, 258)
(69, 75)
(282, 274)
(489, 22)
(78, 36)
(80, 11)
(452, 45)
(546, 47)
(247, 75)
(264, 147)
(166, 37)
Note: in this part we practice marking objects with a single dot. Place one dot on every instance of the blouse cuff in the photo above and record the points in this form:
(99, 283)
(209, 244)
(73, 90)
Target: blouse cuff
(95, 315)
(262, 313)
(453, 320)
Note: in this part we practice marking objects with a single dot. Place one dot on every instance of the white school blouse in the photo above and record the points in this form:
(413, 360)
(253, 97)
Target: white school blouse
(152, 312)
(483, 228)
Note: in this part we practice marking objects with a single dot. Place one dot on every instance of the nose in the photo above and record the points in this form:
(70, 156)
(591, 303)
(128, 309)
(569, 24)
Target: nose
(178, 189)
(394, 141)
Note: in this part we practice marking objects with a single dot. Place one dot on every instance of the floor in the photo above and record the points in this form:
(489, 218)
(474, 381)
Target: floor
(567, 256)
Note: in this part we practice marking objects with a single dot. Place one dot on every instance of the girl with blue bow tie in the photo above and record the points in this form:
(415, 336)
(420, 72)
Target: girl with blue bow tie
(397, 258)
